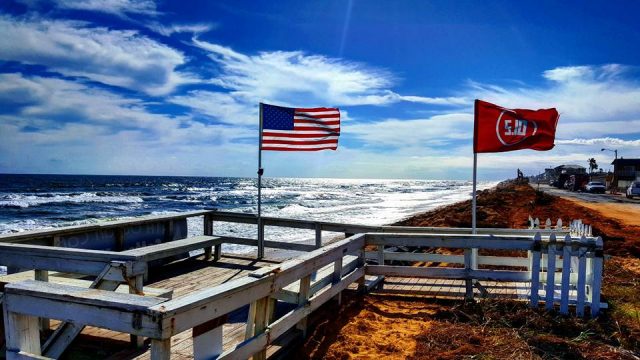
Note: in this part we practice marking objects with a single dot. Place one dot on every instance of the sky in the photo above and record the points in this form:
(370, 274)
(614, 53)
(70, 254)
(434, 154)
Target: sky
(172, 87)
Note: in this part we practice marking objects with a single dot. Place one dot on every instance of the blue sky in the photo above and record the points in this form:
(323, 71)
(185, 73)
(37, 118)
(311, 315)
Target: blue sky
(172, 87)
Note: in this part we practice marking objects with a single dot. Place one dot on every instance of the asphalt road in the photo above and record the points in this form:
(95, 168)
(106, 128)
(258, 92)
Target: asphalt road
(592, 198)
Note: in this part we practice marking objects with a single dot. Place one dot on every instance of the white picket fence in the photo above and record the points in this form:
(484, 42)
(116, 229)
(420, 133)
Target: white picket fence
(576, 227)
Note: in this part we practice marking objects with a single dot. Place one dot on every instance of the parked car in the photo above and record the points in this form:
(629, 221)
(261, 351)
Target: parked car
(595, 187)
(633, 189)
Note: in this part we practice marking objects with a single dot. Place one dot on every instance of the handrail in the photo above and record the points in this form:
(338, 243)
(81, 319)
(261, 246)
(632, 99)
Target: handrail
(205, 310)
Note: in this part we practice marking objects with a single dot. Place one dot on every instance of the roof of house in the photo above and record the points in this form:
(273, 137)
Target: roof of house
(626, 162)
(570, 167)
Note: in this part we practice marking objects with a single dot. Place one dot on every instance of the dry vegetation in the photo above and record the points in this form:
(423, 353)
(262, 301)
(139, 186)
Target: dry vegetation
(379, 326)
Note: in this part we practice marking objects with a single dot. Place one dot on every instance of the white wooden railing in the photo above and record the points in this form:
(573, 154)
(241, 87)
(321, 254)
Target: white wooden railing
(574, 264)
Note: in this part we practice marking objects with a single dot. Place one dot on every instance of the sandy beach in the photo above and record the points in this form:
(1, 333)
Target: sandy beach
(419, 328)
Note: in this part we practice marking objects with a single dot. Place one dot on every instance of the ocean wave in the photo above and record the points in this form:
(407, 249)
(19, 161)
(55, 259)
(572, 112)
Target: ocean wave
(25, 201)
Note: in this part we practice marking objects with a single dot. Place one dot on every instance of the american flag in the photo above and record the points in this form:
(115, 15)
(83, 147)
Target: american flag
(298, 129)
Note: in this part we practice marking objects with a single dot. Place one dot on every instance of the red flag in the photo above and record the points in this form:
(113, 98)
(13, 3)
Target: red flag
(498, 129)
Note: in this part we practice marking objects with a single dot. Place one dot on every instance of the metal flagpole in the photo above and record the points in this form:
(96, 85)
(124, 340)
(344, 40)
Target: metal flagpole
(473, 201)
(260, 172)
(474, 252)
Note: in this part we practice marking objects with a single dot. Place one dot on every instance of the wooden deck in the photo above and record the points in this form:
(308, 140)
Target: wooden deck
(187, 276)
(182, 277)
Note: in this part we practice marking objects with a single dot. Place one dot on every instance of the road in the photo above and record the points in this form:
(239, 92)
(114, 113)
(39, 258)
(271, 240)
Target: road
(587, 197)
(626, 211)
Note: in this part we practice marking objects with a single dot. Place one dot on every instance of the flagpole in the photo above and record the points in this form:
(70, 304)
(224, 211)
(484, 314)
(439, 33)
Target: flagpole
(474, 252)
(260, 172)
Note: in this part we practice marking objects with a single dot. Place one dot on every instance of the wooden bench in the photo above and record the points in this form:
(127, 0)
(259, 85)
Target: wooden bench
(174, 248)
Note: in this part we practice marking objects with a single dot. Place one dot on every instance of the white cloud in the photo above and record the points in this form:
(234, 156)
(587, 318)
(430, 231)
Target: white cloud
(437, 130)
(289, 76)
(606, 141)
(115, 7)
(61, 108)
(222, 106)
(168, 30)
(115, 57)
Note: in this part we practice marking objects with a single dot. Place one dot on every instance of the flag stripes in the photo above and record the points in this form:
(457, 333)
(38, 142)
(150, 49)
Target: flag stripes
(300, 129)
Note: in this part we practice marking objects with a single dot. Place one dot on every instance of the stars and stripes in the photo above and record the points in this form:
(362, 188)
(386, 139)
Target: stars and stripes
(299, 129)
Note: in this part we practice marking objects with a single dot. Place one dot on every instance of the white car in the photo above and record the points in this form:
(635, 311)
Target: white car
(595, 187)
(633, 189)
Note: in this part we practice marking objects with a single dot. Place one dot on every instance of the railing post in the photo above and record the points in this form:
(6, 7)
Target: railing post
(208, 231)
(22, 334)
(43, 275)
(361, 263)
(535, 269)
(318, 236)
(303, 298)
(468, 281)
(119, 238)
(207, 339)
(260, 238)
(161, 349)
(551, 273)
(337, 277)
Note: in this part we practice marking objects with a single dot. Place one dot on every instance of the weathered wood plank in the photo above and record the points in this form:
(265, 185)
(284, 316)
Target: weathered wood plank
(173, 248)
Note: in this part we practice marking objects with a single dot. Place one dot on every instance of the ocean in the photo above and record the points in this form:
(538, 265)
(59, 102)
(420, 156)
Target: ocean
(42, 201)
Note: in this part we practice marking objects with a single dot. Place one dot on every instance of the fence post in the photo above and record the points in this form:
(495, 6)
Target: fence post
(566, 275)
(582, 273)
(535, 269)
(468, 281)
(597, 277)
(547, 224)
(551, 272)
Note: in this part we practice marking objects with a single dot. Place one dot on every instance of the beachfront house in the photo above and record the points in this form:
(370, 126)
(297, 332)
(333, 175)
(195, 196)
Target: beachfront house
(625, 171)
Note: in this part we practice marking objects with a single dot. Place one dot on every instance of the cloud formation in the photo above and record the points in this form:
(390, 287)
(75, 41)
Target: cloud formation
(121, 58)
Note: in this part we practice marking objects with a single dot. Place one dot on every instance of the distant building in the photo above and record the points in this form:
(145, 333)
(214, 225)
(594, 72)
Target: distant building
(558, 175)
(625, 171)
(570, 169)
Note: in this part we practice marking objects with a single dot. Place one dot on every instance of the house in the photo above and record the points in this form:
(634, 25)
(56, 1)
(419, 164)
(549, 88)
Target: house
(625, 171)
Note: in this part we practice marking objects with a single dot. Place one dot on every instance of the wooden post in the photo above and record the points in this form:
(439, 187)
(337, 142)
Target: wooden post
(303, 298)
(161, 349)
(380, 281)
(361, 263)
(318, 236)
(566, 276)
(168, 230)
(21, 334)
(337, 277)
(137, 288)
(582, 273)
(551, 272)
(207, 339)
(208, 230)
(43, 275)
(261, 322)
(597, 278)
(535, 270)
(119, 238)
(468, 281)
